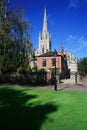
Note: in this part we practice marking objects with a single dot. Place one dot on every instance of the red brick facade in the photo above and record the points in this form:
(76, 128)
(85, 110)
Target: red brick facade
(49, 63)
(61, 63)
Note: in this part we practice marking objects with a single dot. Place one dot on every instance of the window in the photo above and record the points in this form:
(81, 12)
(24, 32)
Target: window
(43, 62)
(53, 61)
(68, 57)
(43, 50)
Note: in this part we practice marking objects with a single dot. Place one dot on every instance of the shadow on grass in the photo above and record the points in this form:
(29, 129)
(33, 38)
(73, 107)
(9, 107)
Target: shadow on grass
(15, 115)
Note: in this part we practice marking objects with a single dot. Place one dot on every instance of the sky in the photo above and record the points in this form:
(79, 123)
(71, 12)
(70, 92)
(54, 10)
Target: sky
(67, 23)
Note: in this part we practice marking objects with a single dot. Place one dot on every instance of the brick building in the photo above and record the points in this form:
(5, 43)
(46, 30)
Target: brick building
(45, 56)
(47, 61)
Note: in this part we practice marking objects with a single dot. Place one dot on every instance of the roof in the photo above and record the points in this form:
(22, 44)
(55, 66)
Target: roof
(48, 54)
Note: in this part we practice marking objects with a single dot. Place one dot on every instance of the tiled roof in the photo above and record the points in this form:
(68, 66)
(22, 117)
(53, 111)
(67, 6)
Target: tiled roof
(48, 54)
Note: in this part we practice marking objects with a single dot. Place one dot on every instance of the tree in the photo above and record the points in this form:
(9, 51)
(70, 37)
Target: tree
(4, 33)
(15, 44)
(21, 37)
(82, 66)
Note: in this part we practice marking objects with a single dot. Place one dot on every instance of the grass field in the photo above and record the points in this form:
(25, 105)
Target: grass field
(36, 109)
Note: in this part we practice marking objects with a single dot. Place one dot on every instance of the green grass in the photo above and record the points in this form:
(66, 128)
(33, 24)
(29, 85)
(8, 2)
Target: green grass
(35, 109)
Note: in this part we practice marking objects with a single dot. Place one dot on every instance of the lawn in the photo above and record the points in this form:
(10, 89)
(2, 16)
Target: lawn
(37, 109)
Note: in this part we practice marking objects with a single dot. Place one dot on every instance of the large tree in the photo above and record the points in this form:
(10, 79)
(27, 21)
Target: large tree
(82, 66)
(15, 44)
(4, 32)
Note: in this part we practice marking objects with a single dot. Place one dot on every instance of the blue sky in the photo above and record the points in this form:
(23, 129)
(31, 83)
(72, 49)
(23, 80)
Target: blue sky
(67, 22)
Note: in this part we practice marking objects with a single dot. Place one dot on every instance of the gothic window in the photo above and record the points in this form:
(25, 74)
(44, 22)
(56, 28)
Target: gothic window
(46, 50)
(53, 61)
(50, 45)
(43, 62)
(43, 50)
(68, 57)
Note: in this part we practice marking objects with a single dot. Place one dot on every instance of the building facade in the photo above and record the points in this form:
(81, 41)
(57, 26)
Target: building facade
(48, 61)
(66, 63)
(71, 62)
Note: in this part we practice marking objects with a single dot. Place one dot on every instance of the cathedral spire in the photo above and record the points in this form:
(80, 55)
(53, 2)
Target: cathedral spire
(44, 38)
(45, 28)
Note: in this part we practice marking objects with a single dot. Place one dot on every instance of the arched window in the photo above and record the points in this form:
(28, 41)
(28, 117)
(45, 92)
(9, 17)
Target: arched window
(43, 50)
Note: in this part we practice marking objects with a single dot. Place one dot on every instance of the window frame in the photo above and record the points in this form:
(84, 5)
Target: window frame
(44, 62)
(53, 62)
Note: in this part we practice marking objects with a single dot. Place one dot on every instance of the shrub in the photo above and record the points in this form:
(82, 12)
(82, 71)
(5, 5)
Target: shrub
(21, 69)
(35, 69)
(41, 70)
(29, 69)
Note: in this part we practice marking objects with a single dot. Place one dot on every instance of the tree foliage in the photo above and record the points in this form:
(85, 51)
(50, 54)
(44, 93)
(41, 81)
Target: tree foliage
(15, 45)
(82, 66)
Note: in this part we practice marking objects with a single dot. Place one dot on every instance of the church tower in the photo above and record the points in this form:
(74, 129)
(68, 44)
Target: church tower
(44, 38)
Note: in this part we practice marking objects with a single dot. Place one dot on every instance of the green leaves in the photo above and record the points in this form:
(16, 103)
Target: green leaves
(82, 66)
(15, 44)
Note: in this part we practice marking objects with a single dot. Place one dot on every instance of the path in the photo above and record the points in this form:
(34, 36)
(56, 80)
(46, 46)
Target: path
(66, 85)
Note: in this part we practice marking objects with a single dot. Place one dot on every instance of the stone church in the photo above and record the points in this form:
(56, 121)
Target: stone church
(45, 55)
(44, 38)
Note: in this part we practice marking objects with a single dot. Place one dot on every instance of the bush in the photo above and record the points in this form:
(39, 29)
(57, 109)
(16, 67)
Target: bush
(41, 70)
(21, 70)
(29, 69)
(35, 69)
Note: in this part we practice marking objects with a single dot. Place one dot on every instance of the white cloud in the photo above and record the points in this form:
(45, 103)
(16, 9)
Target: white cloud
(77, 49)
(74, 3)
(71, 38)
(78, 43)
(82, 41)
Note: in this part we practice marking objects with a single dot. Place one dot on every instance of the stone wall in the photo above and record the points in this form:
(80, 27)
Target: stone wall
(32, 78)
(81, 80)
